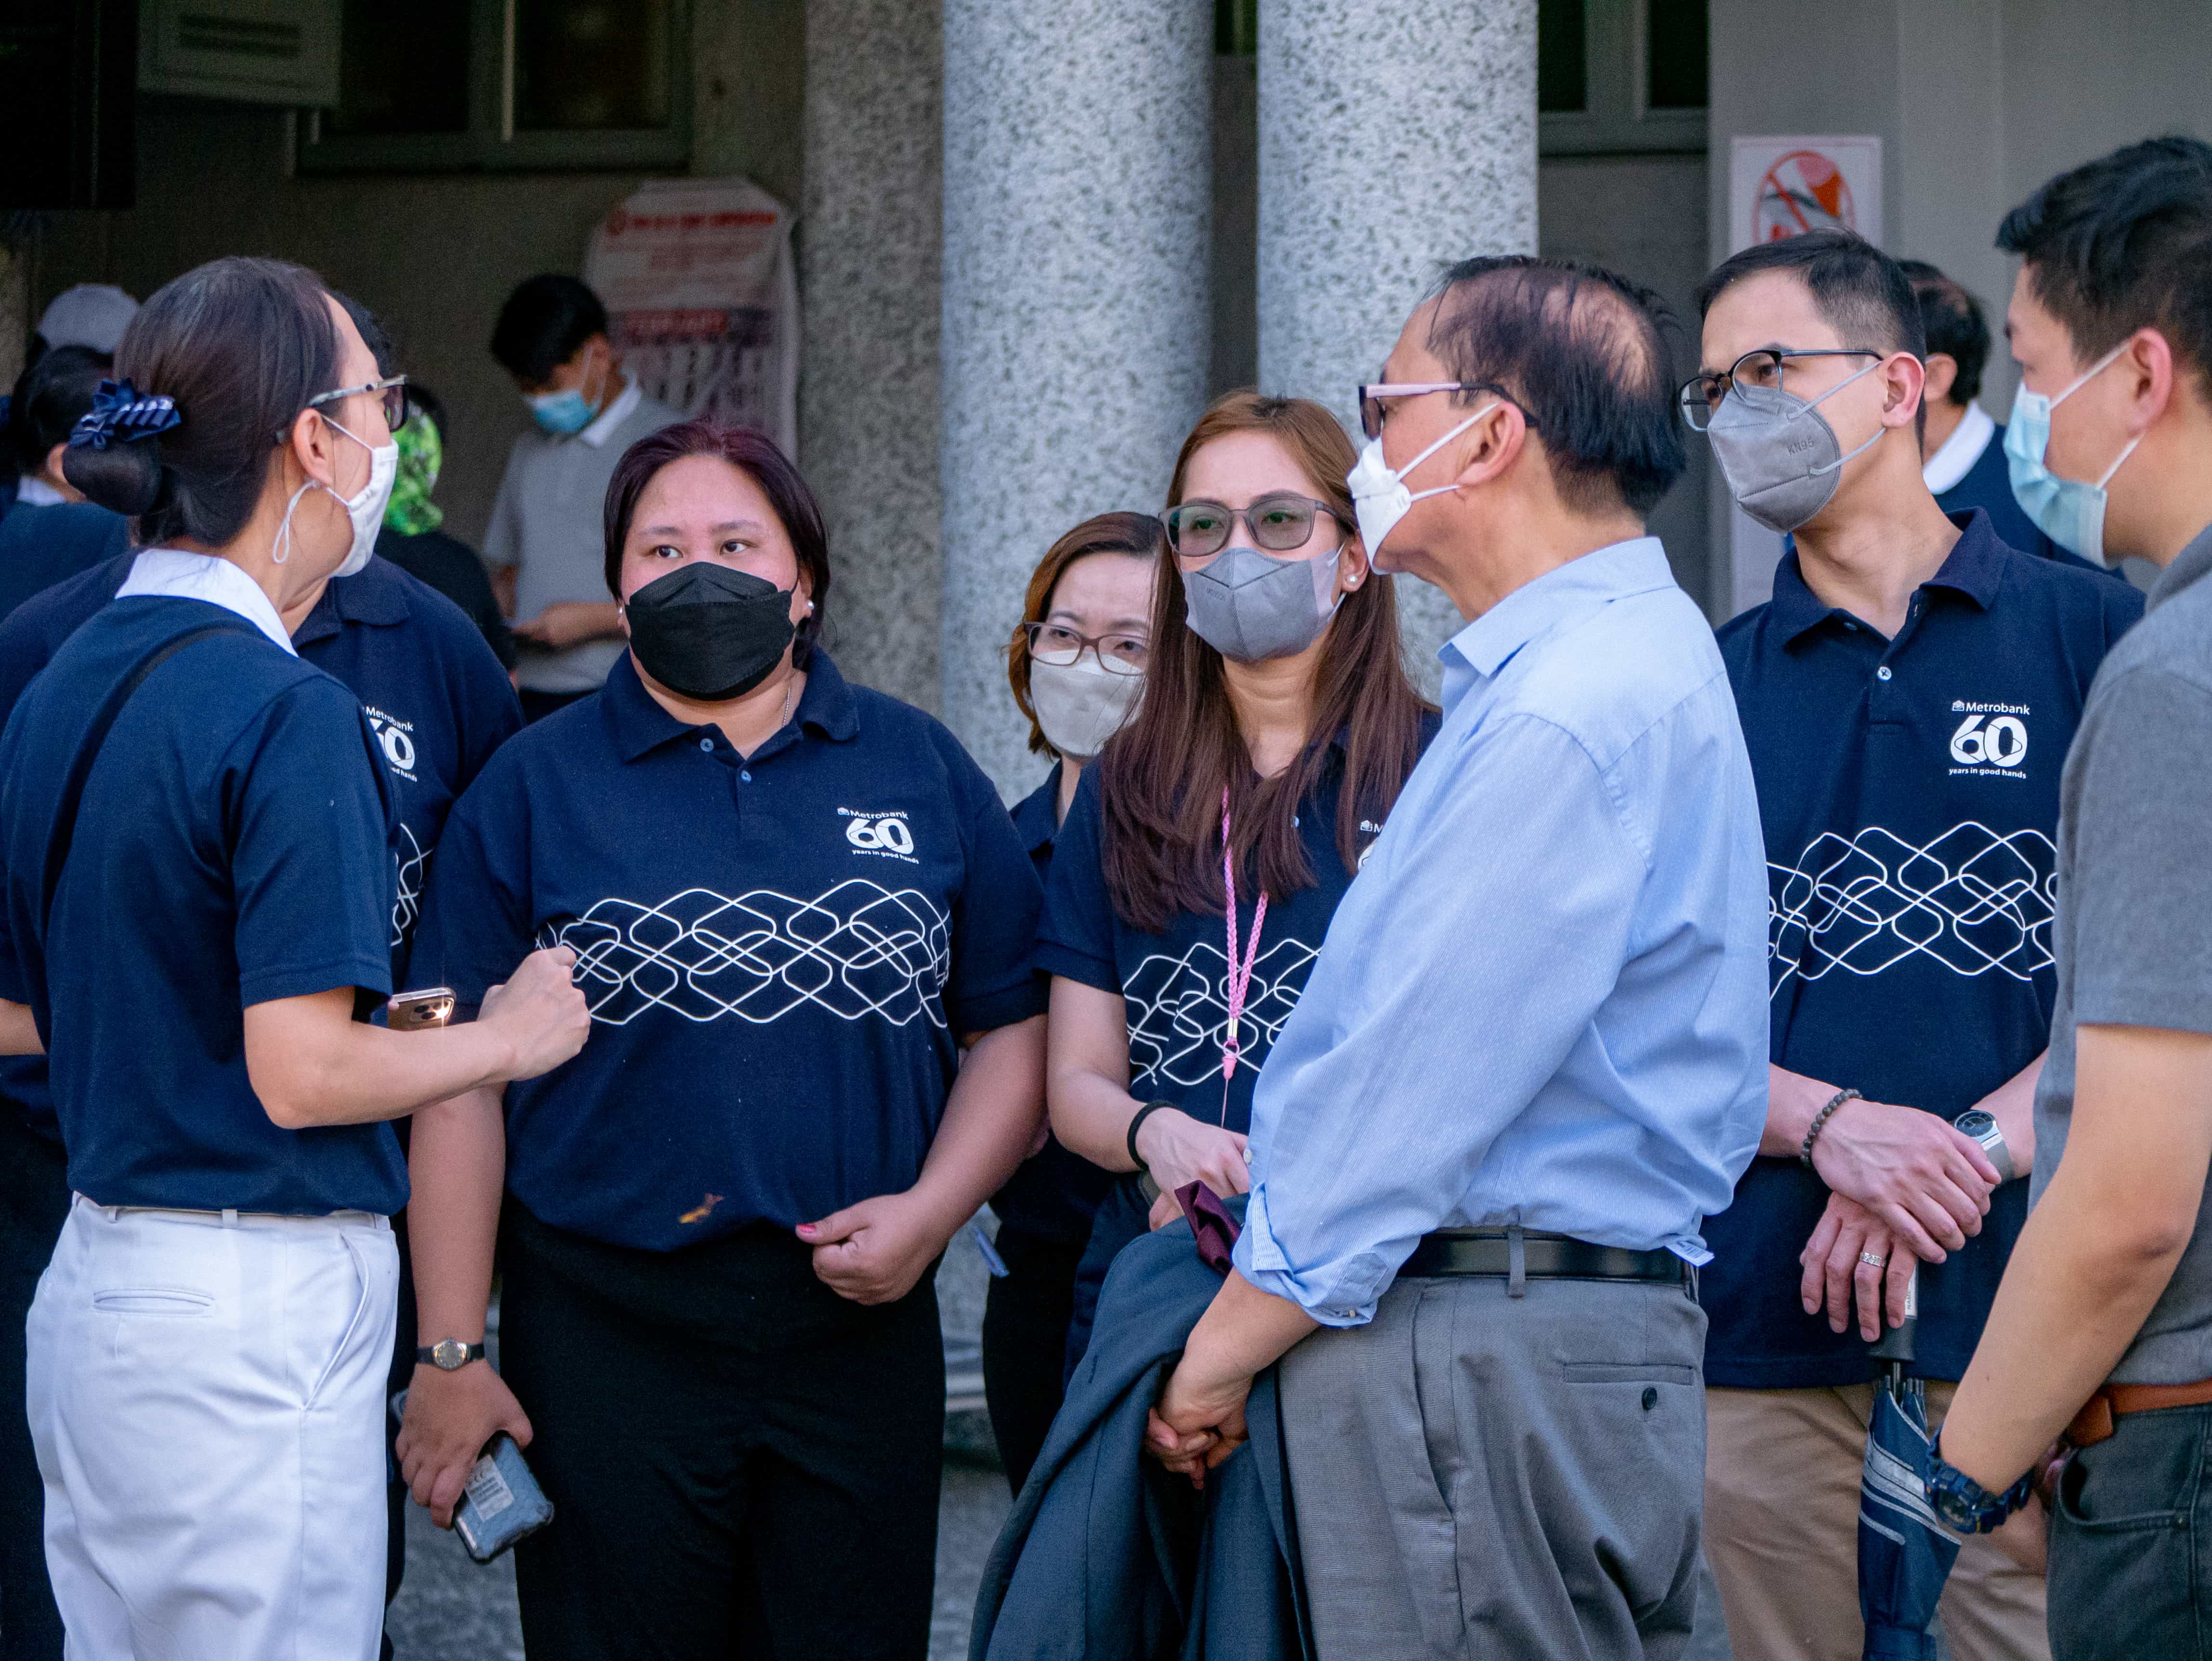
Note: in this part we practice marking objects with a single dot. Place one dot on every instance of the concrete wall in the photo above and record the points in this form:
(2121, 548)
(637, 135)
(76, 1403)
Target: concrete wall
(432, 254)
(1976, 101)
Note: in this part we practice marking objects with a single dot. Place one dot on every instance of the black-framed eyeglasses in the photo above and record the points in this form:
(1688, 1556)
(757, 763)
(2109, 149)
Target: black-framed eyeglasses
(1282, 522)
(1372, 412)
(393, 387)
(1057, 644)
(1767, 367)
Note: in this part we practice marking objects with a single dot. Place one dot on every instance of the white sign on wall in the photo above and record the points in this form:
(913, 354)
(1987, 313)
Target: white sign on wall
(1782, 186)
(696, 275)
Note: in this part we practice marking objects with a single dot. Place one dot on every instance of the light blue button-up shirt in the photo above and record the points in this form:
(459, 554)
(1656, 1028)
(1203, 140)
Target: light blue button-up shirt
(1544, 998)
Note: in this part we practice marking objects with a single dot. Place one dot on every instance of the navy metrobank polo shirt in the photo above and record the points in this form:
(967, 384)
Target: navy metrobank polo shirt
(1909, 791)
(782, 954)
(1054, 1194)
(436, 698)
(230, 850)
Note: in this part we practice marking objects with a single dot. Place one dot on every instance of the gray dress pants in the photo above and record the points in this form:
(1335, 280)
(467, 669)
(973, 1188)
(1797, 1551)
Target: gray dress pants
(1480, 1477)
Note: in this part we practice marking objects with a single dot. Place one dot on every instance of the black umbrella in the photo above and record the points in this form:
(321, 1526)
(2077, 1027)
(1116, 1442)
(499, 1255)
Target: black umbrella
(1905, 1552)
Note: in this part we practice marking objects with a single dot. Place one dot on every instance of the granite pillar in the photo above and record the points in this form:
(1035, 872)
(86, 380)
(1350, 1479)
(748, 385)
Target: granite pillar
(869, 232)
(1393, 140)
(1077, 155)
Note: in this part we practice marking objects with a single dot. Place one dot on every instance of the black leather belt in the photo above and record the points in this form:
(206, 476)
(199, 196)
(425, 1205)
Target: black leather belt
(1545, 1258)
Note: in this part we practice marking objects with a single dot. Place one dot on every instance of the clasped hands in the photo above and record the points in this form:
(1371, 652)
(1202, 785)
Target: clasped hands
(1199, 1420)
(1905, 1188)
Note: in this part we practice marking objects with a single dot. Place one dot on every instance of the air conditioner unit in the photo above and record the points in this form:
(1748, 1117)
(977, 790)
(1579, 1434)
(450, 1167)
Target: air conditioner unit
(263, 52)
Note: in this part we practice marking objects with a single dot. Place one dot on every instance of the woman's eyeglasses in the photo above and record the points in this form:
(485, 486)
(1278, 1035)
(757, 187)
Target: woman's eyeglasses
(394, 391)
(1057, 644)
(1281, 524)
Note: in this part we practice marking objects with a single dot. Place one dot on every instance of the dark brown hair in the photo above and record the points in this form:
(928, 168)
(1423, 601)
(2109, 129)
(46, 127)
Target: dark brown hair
(2122, 243)
(241, 345)
(1161, 777)
(753, 454)
(1138, 535)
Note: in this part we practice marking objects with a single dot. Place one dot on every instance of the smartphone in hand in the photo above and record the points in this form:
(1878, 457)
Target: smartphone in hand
(412, 1012)
(503, 1502)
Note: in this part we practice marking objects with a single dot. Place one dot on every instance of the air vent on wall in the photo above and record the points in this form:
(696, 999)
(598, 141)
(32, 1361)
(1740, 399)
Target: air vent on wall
(198, 32)
(272, 52)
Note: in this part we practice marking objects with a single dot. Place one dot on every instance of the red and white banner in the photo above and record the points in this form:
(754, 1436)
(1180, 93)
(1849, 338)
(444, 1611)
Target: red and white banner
(697, 277)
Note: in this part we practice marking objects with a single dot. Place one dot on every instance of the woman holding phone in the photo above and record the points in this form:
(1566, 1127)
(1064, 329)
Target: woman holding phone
(198, 900)
(1202, 859)
(803, 921)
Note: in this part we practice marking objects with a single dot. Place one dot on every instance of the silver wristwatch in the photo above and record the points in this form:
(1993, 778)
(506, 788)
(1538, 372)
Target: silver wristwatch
(1983, 1127)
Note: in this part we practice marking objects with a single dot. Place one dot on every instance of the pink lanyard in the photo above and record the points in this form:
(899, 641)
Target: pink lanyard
(1240, 977)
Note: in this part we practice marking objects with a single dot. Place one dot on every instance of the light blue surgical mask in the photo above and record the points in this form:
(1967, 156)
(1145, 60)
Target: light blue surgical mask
(563, 414)
(2067, 510)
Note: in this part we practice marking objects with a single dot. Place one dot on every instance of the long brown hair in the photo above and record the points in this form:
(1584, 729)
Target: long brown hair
(1161, 777)
(1138, 535)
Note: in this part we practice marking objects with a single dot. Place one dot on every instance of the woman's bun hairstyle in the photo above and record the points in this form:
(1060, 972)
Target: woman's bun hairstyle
(124, 478)
(234, 348)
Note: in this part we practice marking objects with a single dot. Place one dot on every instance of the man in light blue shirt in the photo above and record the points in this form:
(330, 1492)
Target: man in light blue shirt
(1532, 1056)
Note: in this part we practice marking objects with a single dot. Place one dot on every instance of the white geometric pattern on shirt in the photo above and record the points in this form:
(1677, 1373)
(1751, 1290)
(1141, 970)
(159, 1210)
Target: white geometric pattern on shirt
(1178, 1010)
(1973, 898)
(857, 951)
(407, 890)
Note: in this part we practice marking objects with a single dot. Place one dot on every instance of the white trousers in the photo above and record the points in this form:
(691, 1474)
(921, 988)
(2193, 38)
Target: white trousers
(206, 1398)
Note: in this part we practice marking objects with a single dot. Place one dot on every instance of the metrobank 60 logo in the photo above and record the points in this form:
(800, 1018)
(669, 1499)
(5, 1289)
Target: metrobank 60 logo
(889, 833)
(1981, 742)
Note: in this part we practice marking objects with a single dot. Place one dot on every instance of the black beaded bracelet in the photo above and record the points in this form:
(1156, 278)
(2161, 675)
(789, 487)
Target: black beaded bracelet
(1137, 1119)
(1819, 1122)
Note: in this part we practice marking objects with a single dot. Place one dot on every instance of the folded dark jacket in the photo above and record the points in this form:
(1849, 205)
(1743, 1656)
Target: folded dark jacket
(1109, 1557)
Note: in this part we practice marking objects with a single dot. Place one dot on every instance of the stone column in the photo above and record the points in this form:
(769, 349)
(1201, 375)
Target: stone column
(869, 235)
(1393, 140)
(1078, 151)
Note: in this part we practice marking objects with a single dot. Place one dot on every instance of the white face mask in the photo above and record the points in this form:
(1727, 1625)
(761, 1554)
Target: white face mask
(365, 508)
(1080, 705)
(1379, 496)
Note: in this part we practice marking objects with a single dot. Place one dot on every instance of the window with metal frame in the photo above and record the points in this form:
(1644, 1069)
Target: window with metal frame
(1621, 75)
(451, 85)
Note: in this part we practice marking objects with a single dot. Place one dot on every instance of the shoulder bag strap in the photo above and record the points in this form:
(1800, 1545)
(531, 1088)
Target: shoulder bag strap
(95, 736)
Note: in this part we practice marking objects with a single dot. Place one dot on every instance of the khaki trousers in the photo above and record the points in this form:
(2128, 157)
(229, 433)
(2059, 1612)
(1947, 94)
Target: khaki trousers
(1782, 1507)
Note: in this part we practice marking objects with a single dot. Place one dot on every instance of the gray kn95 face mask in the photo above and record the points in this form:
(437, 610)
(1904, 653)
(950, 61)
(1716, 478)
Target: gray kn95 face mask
(1780, 458)
(1248, 606)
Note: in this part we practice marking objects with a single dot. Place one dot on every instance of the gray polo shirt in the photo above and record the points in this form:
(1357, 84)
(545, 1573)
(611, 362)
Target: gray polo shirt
(549, 523)
(2135, 901)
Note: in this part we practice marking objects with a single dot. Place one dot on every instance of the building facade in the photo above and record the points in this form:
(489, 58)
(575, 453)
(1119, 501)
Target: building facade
(1033, 241)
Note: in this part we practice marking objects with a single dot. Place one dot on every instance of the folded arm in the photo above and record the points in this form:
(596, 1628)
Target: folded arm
(1453, 985)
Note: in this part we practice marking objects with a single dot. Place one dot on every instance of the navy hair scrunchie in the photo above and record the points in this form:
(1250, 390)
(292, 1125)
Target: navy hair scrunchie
(119, 416)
